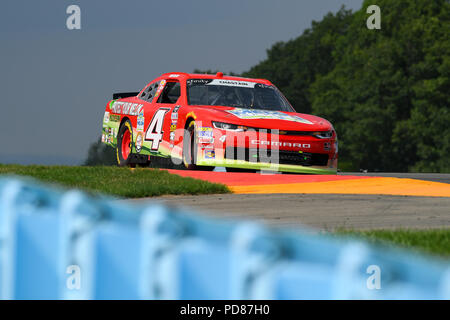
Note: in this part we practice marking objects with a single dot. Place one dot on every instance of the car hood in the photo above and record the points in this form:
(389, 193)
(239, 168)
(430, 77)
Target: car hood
(267, 119)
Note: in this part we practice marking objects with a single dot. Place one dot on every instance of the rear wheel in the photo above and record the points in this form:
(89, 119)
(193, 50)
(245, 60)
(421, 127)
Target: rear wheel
(190, 149)
(124, 143)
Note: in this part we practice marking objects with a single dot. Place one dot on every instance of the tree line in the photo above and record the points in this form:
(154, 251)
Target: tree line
(386, 91)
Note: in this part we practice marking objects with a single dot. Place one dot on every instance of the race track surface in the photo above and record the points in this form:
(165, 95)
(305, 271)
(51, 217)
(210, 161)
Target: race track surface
(326, 202)
(323, 211)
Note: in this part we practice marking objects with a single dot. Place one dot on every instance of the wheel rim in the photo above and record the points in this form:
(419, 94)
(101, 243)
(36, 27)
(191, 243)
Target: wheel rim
(126, 144)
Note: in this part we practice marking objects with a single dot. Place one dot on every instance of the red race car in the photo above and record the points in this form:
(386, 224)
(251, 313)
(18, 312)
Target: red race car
(204, 121)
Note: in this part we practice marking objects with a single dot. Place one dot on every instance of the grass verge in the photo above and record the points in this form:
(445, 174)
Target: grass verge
(122, 182)
(430, 241)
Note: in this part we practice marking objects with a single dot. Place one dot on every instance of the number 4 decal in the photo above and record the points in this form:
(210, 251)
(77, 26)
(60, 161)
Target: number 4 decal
(154, 131)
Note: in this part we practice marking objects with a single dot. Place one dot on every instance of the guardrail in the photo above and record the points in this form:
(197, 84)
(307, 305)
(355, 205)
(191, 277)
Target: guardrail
(69, 245)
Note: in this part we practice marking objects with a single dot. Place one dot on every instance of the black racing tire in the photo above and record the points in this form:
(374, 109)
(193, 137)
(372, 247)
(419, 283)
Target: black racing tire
(124, 142)
(190, 149)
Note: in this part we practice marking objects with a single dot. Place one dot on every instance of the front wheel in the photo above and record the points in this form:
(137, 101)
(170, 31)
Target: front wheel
(190, 149)
(124, 143)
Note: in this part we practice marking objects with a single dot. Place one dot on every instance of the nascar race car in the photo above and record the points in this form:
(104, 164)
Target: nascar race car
(202, 121)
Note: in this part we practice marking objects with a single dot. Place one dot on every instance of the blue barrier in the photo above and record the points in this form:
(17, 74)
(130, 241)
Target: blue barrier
(69, 245)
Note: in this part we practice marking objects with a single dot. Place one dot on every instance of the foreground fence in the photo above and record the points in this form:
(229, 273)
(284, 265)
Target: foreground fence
(68, 245)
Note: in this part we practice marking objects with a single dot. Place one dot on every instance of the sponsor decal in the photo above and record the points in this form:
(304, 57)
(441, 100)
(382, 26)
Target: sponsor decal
(232, 83)
(281, 144)
(223, 138)
(174, 76)
(210, 154)
(103, 137)
(198, 82)
(173, 124)
(106, 117)
(114, 118)
(139, 140)
(140, 121)
(111, 103)
(326, 146)
(266, 114)
(205, 135)
(132, 109)
(207, 146)
(205, 131)
(203, 140)
(174, 115)
(160, 88)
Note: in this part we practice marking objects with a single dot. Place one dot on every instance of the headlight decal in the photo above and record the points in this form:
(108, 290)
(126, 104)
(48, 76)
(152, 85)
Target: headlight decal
(229, 126)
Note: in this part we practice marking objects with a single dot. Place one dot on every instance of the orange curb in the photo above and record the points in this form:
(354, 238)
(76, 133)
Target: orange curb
(378, 185)
(250, 179)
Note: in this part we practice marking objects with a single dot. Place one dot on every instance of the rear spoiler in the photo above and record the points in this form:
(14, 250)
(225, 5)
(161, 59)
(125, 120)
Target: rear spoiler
(120, 95)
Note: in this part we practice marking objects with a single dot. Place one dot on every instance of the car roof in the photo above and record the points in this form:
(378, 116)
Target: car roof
(219, 75)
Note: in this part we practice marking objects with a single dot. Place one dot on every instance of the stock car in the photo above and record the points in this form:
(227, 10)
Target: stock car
(204, 121)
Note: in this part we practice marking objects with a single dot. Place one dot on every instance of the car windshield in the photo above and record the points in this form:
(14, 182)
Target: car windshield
(235, 93)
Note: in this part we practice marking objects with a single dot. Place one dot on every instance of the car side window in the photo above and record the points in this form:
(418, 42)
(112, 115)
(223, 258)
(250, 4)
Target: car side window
(149, 92)
(171, 93)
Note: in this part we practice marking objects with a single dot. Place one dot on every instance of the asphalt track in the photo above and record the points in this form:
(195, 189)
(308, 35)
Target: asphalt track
(323, 211)
(350, 201)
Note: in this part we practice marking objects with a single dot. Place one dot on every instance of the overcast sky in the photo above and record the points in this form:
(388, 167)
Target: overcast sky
(55, 82)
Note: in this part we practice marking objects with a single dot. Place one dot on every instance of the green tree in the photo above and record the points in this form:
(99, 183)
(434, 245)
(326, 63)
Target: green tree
(292, 66)
(388, 94)
(386, 91)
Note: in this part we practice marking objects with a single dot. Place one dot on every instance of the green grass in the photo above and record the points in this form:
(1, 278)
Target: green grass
(430, 241)
(122, 182)
(138, 183)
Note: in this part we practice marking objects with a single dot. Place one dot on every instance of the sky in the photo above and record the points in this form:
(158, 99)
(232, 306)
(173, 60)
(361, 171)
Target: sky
(55, 82)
